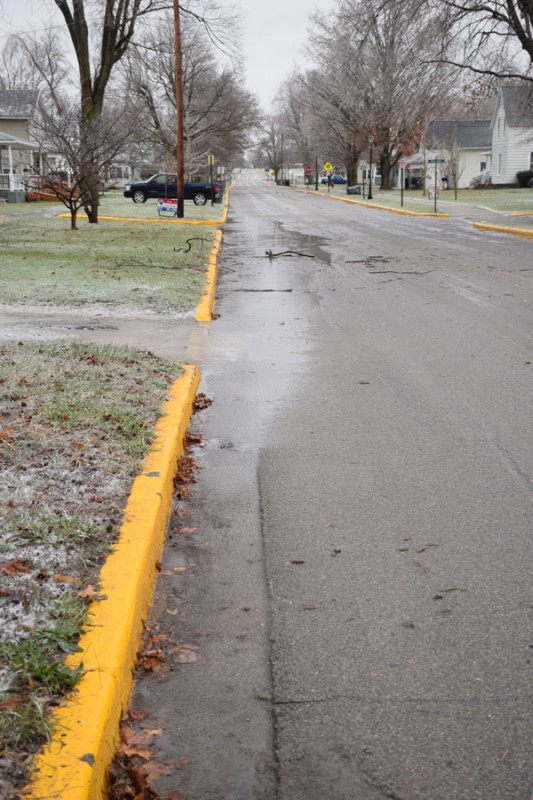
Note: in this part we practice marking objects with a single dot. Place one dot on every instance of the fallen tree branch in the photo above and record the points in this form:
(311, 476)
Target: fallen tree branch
(189, 242)
(269, 254)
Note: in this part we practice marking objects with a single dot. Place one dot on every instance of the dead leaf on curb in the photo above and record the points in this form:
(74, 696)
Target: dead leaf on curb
(174, 571)
(185, 531)
(201, 402)
(185, 654)
(136, 715)
(90, 593)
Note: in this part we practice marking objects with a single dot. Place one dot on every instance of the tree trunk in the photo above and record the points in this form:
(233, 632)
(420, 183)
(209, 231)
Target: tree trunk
(385, 169)
(352, 164)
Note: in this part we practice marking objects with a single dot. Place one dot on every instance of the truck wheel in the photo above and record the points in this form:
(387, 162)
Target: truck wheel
(199, 198)
(139, 196)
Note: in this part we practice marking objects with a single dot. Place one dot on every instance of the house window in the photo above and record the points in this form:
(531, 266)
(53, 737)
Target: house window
(531, 161)
(483, 166)
(499, 163)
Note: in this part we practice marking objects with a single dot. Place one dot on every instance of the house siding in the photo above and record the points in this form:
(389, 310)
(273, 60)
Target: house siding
(15, 127)
(470, 166)
(512, 146)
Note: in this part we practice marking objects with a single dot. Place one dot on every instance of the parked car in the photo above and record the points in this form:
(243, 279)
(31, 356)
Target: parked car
(334, 179)
(165, 186)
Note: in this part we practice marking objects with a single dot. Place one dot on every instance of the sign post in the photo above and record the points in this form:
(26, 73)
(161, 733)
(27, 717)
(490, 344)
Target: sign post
(211, 160)
(328, 167)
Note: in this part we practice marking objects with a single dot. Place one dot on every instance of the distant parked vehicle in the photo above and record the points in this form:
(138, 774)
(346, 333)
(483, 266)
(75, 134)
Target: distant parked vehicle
(334, 179)
(165, 186)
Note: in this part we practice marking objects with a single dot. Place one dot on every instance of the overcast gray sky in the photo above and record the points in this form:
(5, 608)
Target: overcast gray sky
(274, 34)
(274, 38)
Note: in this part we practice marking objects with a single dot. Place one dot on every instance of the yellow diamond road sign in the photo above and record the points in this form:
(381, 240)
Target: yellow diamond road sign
(328, 167)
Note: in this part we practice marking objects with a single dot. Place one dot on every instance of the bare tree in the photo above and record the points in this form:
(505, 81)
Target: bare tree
(377, 77)
(108, 28)
(491, 37)
(79, 151)
(297, 114)
(219, 113)
(271, 143)
(36, 62)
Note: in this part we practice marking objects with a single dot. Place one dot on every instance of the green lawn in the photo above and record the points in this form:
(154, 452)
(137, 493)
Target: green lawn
(113, 203)
(159, 267)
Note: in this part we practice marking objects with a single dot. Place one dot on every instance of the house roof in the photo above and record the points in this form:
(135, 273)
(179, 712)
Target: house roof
(18, 103)
(518, 104)
(438, 133)
(469, 134)
(13, 141)
(474, 134)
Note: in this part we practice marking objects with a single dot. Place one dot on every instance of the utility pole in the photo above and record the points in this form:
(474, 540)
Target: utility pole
(179, 112)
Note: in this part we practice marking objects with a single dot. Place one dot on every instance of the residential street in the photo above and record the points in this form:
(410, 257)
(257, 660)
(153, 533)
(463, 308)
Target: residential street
(358, 542)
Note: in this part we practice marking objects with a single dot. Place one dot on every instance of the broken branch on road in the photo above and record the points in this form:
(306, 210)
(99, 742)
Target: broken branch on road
(269, 254)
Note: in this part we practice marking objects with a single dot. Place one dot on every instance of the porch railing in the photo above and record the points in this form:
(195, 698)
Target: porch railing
(13, 182)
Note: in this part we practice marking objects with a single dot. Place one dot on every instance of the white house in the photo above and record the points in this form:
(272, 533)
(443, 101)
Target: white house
(19, 148)
(463, 145)
(512, 133)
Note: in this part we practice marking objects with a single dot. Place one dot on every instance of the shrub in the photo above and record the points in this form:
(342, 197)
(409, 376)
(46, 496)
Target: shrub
(483, 179)
(525, 178)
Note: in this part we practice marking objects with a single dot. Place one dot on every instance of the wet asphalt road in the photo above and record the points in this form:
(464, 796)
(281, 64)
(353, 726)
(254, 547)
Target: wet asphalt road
(359, 568)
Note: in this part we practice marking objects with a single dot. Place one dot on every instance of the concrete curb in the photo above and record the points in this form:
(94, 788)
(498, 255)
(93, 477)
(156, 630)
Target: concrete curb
(485, 226)
(204, 309)
(400, 211)
(74, 765)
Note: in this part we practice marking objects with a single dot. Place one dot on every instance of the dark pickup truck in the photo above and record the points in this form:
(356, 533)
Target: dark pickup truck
(165, 187)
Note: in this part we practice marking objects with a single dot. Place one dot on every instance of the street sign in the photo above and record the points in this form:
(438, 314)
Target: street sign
(328, 167)
(308, 170)
(211, 160)
(436, 160)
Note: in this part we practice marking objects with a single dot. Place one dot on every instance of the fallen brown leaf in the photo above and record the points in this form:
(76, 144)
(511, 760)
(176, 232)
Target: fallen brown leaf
(17, 566)
(90, 593)
(10, 702)
(66, 579)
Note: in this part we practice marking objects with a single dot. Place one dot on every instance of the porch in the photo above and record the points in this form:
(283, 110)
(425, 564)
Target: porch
(16, 167)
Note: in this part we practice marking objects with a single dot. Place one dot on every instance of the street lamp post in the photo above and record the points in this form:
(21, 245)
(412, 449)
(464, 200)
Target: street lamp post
(370, 142)
(180, 206)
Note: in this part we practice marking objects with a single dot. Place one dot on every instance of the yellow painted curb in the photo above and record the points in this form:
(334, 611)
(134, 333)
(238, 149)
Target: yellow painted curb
(74, 765)
(157, 221)
(401, 211)
(485, 226)
(204, 309)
